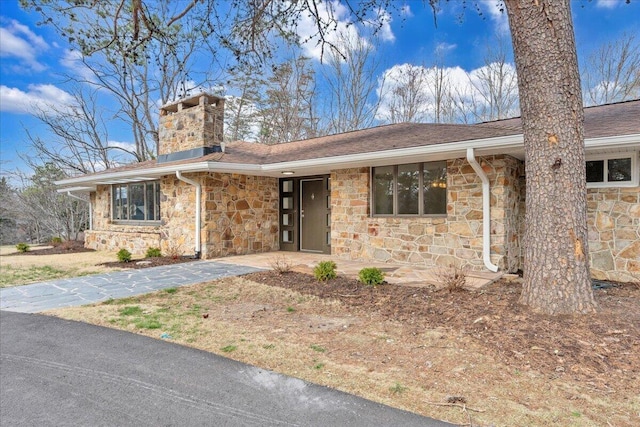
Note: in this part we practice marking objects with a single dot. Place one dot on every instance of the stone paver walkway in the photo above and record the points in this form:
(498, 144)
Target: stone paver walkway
(76, 291)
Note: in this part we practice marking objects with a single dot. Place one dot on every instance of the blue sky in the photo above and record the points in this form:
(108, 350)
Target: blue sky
(34, 59)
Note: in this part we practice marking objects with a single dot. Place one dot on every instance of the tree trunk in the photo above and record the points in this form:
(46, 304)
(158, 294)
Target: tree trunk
(556, 261)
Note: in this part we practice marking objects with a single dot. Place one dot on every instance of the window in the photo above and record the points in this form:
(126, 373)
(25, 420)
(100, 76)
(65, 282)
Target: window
(136, 201)
(411, 189)
(612, 171)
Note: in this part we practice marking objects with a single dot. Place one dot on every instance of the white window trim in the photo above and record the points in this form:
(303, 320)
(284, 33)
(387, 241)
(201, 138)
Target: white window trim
(635, 170)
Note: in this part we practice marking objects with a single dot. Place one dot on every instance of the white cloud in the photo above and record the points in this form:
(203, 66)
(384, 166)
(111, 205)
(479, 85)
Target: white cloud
(469, 89)
(608, 4)
(334, 10)
(384, 26)
(442, 48)
(498, 15)
(38, 96)
(129, 146)
(406, 11)
(18, 41)
(72, 60)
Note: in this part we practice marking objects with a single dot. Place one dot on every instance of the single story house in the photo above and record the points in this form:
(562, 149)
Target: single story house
(414, 193)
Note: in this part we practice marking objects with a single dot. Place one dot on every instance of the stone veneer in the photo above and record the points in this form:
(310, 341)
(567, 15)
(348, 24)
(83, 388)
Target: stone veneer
(191, 126)
(614, 233)
(240, 216)
(454, 239)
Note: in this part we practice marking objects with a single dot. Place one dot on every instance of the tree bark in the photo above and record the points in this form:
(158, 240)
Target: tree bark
(556, 272)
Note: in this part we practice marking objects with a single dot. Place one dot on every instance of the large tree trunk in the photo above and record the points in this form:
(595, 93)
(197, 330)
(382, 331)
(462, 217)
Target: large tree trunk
(556, 262)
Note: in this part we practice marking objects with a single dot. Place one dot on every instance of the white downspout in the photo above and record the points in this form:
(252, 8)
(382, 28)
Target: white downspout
(198, 215)
(486, 212)
(70, 194)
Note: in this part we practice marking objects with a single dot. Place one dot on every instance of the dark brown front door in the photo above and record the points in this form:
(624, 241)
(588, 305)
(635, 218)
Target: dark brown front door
(312, 215)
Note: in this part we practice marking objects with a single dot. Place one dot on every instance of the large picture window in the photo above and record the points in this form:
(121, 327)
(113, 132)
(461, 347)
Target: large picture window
(612, 171)
(411, 189)
(136, 201)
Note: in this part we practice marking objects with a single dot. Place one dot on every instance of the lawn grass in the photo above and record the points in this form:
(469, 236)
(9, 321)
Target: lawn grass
(16, 276)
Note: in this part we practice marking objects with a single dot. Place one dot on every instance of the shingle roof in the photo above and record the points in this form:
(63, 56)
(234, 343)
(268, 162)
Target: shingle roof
(622, 118)
(600, 121)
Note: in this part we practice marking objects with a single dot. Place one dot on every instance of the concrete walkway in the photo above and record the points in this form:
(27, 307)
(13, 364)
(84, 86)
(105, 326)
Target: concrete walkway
(76, 291)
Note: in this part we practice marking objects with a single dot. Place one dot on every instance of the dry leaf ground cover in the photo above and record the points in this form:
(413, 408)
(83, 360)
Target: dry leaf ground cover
(475, 358)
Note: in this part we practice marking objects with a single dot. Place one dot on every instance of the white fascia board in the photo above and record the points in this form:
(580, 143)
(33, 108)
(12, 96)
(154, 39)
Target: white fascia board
(455, 149)
(86, 189)
(631, 141)
(157, 172)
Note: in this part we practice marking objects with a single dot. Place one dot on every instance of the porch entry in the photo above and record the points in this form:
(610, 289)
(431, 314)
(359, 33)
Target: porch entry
(305, 214)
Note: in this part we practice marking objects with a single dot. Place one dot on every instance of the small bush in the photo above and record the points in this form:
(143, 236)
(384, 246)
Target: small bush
(174, 250)
(371, 276)
(325, 270)
(23, 247)
(280, 264)
(153, 253)
(124, 255)
(56, 241)
(452, 278)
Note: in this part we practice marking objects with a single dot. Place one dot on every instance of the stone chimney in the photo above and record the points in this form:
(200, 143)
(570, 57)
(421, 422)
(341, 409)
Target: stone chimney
(191, 127)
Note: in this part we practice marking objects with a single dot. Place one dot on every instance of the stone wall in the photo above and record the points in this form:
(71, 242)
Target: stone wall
(107, 236)
(240, 216)
(614, 233)
(454, 239)
(191, 126)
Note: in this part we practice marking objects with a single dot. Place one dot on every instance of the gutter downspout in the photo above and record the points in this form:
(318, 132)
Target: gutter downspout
(70, 194)
(486, 212)
(198, 214)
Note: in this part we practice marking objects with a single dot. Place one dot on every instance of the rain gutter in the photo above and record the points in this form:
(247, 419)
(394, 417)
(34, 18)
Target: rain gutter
(486, 211)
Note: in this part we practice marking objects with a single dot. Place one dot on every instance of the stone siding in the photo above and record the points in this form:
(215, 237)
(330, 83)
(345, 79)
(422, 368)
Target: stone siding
(191, 126)
(239, 216)
(454, 239)
(614, 233)
(107, 236)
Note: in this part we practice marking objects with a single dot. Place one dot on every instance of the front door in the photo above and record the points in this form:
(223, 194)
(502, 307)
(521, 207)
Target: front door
(312, 215)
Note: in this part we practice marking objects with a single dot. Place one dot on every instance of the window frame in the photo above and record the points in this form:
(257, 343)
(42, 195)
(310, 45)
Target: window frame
(395, 206)
(605, 183)
(145, 207)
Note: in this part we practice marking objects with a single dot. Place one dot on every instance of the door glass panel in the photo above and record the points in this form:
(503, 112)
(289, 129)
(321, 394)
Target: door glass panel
(287, 203)
(287, 219)
(287, 186)
(287, 236)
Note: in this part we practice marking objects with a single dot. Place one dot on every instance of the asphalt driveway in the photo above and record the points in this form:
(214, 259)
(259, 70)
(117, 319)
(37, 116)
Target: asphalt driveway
(60, 372)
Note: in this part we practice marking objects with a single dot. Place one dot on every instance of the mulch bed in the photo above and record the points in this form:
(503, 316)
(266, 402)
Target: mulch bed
(591, 348)
(148, 262)
(68, 247)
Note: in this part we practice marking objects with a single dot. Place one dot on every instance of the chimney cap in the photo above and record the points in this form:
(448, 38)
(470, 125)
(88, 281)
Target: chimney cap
(202, 98)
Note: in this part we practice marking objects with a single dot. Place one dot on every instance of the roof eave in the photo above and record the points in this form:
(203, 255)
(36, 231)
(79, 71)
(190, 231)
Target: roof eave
(511, 144)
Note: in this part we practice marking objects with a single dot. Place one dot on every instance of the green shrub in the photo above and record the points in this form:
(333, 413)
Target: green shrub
(56, 241)
(153, 253)
(23, 247)
(371, 276)
(124, 255)
(325, 270)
